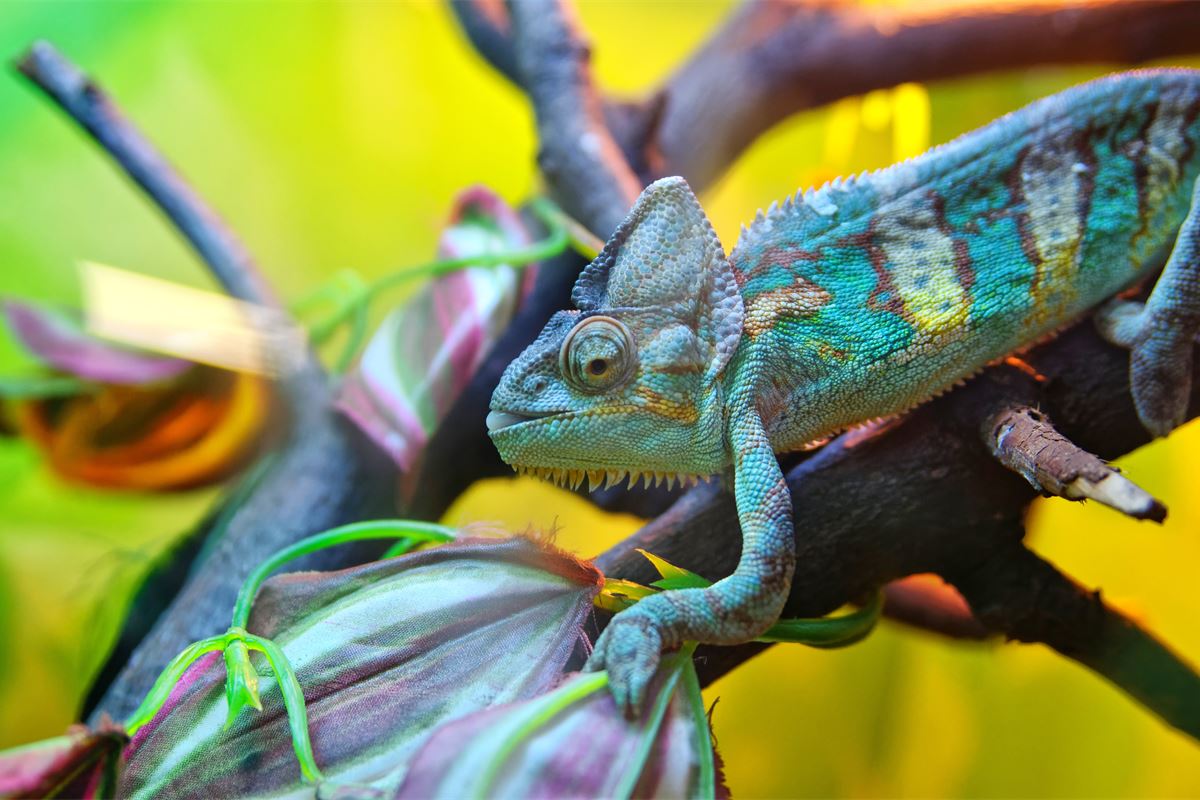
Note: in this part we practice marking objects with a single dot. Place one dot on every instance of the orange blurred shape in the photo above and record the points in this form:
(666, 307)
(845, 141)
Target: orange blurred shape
(190, 432)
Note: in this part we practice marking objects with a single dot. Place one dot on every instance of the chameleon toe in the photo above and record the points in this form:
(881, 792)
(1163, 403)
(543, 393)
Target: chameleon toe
(631, 648)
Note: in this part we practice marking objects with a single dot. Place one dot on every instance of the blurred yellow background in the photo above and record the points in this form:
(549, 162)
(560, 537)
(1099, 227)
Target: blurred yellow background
(334, 136)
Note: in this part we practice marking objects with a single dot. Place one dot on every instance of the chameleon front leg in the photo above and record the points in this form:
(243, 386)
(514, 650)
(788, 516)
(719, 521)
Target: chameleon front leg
(733, 610)
(1162, 332)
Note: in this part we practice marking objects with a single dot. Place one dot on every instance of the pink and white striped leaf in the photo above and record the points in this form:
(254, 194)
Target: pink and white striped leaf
(386, 653)
(425, 352)
(575, 743)
(60, 343)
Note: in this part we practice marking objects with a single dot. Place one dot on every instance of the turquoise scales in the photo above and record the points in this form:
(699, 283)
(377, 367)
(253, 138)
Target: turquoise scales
(854, 301)
(903, 281)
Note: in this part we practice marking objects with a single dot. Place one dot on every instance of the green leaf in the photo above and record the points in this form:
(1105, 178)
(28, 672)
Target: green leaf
(618, 595)
(674, 577)
(828, 631)
(241, 681)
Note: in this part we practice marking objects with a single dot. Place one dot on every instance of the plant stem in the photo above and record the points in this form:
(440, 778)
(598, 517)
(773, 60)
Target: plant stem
(170, 676)
(354, 532)
(293, 703)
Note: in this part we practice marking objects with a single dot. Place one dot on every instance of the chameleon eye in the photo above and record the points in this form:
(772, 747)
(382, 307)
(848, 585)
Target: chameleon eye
(597, 354)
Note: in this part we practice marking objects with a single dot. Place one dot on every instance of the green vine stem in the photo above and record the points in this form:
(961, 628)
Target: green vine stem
(293, 703)
(707, 781)
(355, 532)
(828, 632)
(352, 302)
(170, 676)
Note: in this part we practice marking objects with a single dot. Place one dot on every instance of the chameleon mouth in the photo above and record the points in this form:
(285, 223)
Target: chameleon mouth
(499, 420)
(604, 478)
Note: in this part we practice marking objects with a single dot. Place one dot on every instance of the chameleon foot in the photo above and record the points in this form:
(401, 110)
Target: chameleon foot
(1160, 362)
(1161, 333)
(630, 649)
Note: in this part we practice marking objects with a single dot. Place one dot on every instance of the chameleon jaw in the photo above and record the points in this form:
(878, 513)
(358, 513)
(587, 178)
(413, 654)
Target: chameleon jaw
(498, 420)
(603, 478)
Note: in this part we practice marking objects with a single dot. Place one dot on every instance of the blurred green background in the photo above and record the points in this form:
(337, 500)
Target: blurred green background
(335, 136)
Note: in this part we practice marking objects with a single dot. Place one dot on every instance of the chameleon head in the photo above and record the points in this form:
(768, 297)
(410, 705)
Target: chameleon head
(631, 382)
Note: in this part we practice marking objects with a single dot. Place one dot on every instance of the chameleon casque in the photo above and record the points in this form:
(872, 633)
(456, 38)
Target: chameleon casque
(854, 301)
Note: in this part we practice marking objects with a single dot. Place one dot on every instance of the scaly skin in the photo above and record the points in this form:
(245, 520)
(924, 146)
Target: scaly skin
(858, 300)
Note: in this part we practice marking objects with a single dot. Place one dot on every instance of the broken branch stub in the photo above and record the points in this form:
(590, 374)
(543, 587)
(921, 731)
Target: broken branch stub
(1024, 440)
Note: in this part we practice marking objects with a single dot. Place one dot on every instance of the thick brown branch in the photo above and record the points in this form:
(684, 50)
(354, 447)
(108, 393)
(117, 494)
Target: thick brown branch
(925, 495)
(586, 170)
(775, 57)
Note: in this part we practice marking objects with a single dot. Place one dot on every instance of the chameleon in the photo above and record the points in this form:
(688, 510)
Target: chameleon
(854, 301)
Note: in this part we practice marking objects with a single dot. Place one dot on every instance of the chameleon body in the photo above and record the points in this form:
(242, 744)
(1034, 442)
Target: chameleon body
(857, 300)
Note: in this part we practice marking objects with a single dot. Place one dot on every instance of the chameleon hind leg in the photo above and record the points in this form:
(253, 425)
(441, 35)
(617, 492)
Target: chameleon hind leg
(731, 611)
(1161, 333)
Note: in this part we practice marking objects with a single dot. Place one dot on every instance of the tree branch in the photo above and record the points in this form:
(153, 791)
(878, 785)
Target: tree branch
(774, 58)
(924, 494)
(89, 106)
(1020, 595)
(584, 167)
(1023, 440)
(321, 478)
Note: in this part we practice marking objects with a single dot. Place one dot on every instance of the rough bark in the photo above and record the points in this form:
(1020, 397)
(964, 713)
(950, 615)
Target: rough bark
(774, 58)
(925, 494)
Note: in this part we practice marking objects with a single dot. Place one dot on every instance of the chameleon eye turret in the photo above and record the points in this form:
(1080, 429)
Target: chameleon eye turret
(597, 354)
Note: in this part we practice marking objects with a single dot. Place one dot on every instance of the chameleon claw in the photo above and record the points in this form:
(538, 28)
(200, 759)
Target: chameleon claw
(1160, 362)
(630, 649)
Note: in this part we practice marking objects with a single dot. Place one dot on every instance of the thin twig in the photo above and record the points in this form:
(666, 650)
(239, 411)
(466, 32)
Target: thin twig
(586, 171)
(89, 106)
